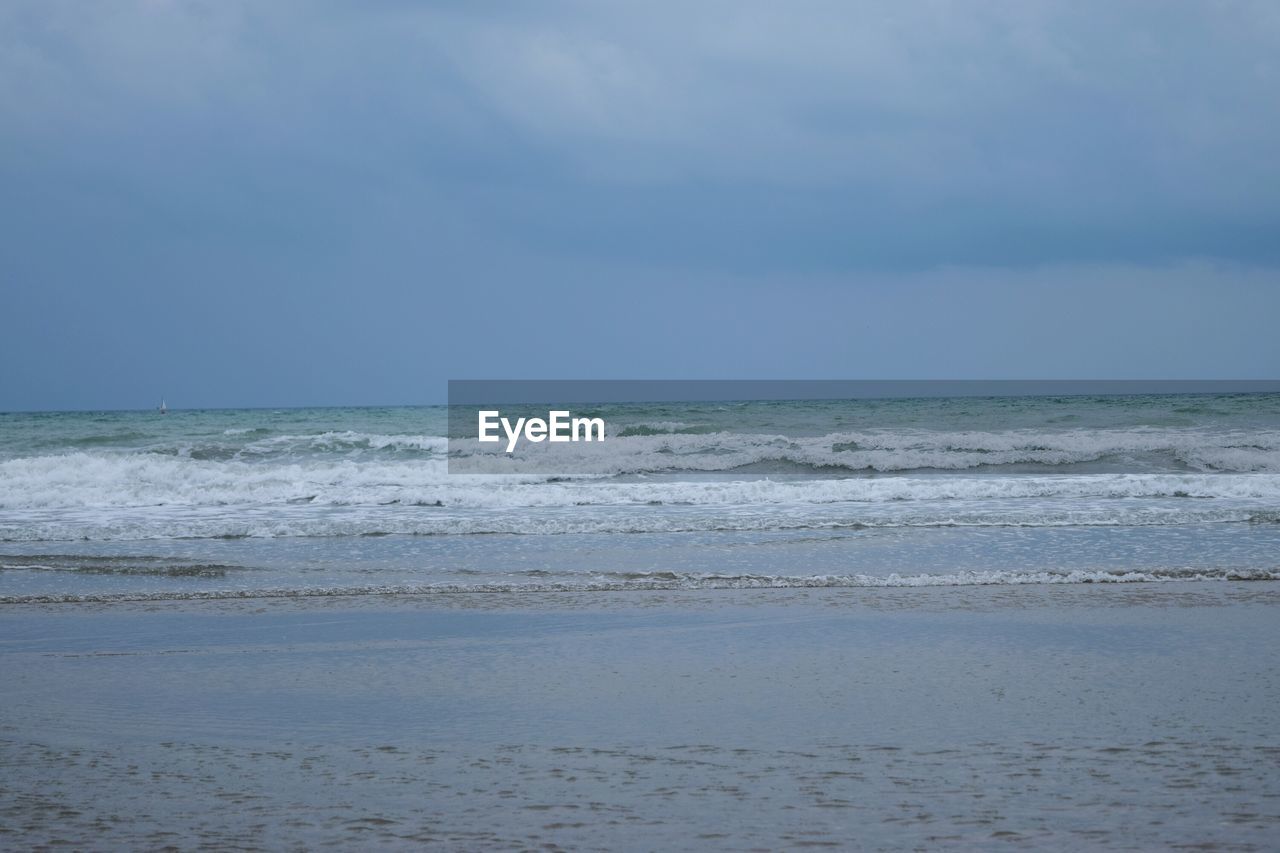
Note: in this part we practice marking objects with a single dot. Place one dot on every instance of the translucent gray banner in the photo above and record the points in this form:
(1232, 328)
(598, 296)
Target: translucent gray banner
(601, 428)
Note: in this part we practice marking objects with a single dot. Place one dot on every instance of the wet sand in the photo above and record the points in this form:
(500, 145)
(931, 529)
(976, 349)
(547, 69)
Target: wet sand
(1064, 717)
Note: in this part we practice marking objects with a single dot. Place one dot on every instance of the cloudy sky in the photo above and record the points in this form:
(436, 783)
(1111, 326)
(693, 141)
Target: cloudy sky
(247, 203)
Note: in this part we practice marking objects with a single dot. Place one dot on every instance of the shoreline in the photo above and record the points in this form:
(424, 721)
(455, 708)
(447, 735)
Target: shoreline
(891, 717)
(669, 582)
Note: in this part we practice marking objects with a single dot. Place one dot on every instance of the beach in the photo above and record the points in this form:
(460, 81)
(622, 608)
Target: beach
(1057, 717)
(902, 623)
(578, 426)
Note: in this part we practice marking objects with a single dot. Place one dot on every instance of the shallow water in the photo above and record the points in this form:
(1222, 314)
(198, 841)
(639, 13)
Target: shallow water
(1052, 716)
(938, 556)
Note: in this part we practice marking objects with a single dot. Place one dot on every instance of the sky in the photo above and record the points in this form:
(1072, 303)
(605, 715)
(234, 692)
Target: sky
(302, 203)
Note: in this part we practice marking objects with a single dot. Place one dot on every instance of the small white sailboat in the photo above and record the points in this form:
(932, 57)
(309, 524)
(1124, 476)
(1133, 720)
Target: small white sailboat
(164, 410)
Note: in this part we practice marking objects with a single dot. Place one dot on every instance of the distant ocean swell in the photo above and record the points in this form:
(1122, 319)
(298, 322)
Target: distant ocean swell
(645, 448)
(913, 450)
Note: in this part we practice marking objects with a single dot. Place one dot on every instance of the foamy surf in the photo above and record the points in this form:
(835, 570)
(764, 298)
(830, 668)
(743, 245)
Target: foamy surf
(143, 480)
(365, 492)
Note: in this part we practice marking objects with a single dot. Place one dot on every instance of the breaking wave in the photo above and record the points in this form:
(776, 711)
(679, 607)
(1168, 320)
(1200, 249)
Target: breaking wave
(83, 480)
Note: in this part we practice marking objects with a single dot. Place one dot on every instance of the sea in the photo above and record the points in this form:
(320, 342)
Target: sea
(895, 492)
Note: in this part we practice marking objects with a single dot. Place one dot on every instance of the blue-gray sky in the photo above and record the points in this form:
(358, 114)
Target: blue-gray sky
(289, 203)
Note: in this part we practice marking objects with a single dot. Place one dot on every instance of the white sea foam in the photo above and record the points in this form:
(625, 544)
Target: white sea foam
(113, 479)
(83, 480)
(358, 483)
(343, 441)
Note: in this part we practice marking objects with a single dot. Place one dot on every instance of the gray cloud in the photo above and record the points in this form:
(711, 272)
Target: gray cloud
(167, 158)
(1091, 130)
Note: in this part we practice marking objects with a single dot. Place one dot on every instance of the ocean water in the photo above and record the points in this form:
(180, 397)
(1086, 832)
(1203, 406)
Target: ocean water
(894, 624)
(859, 493)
